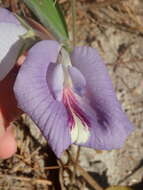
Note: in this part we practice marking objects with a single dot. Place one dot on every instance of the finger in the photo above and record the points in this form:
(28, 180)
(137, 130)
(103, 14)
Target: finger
(8, 104)
(2, 130)
(7, 144)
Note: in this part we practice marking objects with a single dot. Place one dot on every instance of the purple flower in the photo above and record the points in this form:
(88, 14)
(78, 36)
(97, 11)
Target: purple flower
(70, 98)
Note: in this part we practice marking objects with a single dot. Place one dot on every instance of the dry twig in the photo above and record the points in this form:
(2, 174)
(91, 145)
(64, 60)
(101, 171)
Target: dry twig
(26, 179)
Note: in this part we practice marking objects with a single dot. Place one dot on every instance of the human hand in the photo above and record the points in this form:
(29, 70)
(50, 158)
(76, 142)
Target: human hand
(8, 112)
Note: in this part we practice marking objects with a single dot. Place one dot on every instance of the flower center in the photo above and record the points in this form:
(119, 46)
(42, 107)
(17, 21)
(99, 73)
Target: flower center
(77, 119)
(68, 86)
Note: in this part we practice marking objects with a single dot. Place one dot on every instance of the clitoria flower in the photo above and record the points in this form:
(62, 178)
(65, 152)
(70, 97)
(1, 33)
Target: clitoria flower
(69, 97)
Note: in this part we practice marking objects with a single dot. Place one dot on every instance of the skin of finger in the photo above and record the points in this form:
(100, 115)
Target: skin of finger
(8, 112)
(8, 105)
(2, 129)
(8, 144)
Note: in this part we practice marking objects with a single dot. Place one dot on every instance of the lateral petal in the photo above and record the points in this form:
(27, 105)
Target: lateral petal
(112, 126)
(35, 98)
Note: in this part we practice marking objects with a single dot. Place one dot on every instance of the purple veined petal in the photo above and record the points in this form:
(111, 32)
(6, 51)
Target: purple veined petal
(34, 96)
(10, 45)
(112, 125)
(78, 80)
(7, 16)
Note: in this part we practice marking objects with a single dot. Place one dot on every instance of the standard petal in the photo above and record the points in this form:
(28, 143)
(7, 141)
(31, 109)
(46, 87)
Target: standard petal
(10, 45)
(7, 16)
(112, 126)
(35, 98)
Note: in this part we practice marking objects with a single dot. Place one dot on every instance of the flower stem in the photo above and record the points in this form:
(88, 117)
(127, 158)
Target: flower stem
(73, 8)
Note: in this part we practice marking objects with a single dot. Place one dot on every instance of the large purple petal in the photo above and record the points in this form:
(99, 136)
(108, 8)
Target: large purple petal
(34, 97)
(111, 126)
(7, 16)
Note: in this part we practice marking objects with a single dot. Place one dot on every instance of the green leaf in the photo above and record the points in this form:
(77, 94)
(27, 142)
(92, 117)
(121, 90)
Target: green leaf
(50, 16)
(119, 188)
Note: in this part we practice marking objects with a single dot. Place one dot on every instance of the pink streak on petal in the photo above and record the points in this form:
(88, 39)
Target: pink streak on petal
(71, 103)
